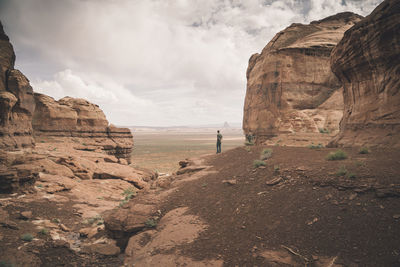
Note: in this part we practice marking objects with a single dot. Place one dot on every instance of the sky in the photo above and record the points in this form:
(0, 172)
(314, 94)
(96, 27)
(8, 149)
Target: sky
(153, 62)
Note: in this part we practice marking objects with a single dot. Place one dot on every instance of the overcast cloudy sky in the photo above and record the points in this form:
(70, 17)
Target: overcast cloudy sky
(153, 62)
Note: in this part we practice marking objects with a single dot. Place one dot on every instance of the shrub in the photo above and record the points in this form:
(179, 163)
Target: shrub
(266, 154)
(129, 193)
(276, 168)
(44, 231)
(351, 175)
(122, 203)
(151, 223)
(337, 155)
(248, 143)
(96, 219)
(257, 163)
(364, 150)
(342, 171)
(359, 163)
(27, 237)
(323, 130)
(55, 220)
(312, 146)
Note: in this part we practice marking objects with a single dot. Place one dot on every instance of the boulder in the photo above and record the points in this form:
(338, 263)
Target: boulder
(103, 249)
(290, 86)
(367, 63)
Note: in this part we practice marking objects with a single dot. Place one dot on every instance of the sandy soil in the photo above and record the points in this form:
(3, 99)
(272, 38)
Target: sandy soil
(300, 209)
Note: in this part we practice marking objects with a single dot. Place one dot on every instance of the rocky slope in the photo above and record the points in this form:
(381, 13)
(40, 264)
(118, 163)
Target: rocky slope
(290, 86)
(367, 63)
(16, 101)
(83, 121)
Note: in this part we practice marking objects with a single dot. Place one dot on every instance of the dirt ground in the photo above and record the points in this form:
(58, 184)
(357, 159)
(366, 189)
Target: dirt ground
(353, 219)
(300, 209)
(43, 250)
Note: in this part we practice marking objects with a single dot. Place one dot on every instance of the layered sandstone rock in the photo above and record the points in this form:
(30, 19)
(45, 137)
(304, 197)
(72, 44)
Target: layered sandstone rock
(85, 122)
(16, 101)
(290, 86)
(367, 62)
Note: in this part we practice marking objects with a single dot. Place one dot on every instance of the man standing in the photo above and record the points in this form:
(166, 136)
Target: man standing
(219, 140)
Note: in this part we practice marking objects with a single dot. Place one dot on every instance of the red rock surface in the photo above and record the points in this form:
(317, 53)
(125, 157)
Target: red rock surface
(290, 82)
(16, 101)
(367, 62)
(82, 120)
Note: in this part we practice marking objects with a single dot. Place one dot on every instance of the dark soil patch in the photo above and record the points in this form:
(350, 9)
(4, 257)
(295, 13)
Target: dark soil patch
(314, 211)
(43, 251)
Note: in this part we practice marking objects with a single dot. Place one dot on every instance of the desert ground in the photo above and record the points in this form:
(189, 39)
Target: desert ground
(161, 149)
(298, 208)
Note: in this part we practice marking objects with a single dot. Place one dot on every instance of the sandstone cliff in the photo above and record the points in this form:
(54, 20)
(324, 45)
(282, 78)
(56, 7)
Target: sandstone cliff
(290, 86)
(70, 136)
(16, 101)
(367, 63)
(83, 121)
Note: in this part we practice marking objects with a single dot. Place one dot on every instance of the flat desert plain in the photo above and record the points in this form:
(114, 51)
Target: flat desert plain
(160, 149)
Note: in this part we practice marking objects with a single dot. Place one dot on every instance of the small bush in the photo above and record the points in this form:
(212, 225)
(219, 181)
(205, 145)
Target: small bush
(55, 220)
(337, 155)
(248, 149)
(312, 146)
(96, 219)
(323, 130)
(342, 171)
(151, 223)
(247, 143)
(27, 237)
(359, 163)
(277, 168)
(364, 150)
(257, 163)
(129, 193)
(44, 231)
(351, 175)
(266, 154)
(122, 203)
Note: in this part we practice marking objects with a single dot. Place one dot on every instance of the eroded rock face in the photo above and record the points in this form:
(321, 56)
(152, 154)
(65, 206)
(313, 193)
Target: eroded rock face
(82, 120)
(367, 62)
(290, 86)
(16, 101)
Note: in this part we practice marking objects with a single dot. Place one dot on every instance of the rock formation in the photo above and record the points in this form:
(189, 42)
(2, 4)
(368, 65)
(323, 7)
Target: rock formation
(367, 63)
(290, 86)
(70, 136)
(83, 121)
(16, 101)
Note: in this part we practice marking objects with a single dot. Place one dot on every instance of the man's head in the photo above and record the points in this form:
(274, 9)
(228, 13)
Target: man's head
(218, 131)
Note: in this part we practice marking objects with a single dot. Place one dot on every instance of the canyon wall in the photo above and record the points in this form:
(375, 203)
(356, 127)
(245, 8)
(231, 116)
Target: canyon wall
(367, 63)
(67, 132)
(290, 85)
(82, 121)
(16, 101)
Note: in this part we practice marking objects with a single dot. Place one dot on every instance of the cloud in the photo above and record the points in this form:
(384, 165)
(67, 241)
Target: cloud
(155, 62)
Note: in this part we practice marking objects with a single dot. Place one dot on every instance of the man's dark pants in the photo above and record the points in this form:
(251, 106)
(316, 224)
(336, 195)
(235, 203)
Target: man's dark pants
(218, 147)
